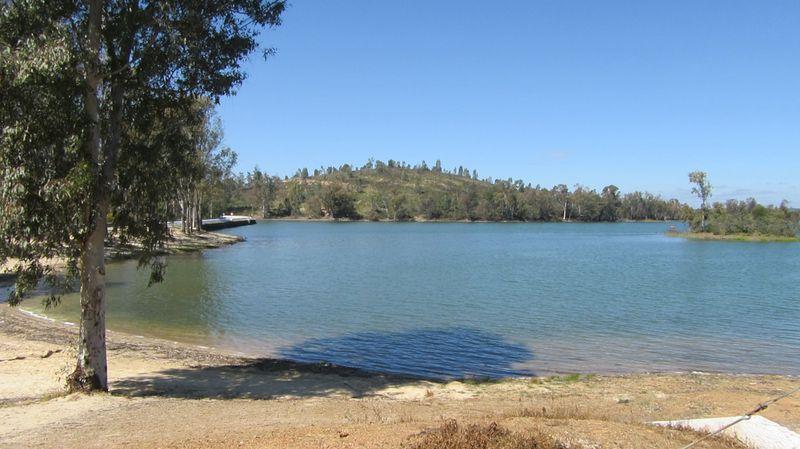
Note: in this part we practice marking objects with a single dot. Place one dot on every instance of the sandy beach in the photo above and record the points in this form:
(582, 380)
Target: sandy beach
(166, 394)
(442, 225)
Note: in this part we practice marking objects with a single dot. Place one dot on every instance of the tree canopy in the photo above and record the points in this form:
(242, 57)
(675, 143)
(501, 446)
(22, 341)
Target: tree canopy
(735, 217)
(99, 100)
(701, 189)
(398, 191)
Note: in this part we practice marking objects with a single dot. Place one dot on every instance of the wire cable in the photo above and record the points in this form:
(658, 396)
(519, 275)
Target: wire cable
(761, 407)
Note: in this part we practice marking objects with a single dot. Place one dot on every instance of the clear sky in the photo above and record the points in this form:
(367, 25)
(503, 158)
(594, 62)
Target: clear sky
(634, 93)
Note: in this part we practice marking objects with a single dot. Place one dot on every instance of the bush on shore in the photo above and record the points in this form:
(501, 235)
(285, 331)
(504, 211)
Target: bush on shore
(748, 218)
(451, 435)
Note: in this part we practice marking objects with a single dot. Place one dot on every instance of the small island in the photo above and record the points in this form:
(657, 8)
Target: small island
(740, 237)
(382, 303)
(739, 221)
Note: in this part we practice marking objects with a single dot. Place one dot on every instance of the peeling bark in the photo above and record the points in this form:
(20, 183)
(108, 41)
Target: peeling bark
(91, 370)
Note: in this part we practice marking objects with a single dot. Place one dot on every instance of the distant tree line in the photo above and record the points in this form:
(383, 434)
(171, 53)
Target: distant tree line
(398, 191)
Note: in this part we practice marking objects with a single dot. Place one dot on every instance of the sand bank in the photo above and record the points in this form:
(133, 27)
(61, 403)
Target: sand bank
(166, 394)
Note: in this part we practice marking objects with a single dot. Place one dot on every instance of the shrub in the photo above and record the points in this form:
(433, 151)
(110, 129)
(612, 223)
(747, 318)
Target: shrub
(451, 435)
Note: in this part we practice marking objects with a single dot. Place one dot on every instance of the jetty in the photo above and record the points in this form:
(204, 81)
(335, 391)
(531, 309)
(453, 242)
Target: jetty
(227, 221)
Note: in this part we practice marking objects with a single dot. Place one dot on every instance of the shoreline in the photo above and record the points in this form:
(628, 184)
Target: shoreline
(424, 220)
(229, 352)
(32, 325)
(165, 394)
(179, 244)
(755, 238)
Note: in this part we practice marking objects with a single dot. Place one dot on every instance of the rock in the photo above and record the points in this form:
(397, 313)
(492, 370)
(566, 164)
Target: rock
(49, 353)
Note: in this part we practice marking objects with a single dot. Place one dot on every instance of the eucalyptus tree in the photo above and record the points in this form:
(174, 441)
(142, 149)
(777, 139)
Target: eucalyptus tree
(219, 184)
(82, 83)
(561, 195)
(610, 203)
(702, 189)
(586, 203)
(338, 201)
(265, 187)
(208, 166)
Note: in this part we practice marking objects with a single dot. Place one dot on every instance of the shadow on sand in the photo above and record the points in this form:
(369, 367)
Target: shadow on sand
(385, 359)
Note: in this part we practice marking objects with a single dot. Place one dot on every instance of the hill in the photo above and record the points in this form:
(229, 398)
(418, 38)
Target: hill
(399, 192)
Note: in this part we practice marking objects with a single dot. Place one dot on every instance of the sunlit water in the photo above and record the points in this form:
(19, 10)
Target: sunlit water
(453, 300)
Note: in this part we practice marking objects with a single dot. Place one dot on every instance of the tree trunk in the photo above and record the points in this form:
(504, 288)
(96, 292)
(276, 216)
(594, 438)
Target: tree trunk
(199, 212)
(191, 213)
(187, 208)
(703, 216)
(196, 211)
(91, 371)
(184, 215)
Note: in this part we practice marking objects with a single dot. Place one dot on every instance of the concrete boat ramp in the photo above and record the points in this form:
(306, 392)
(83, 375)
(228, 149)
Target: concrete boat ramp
(756, 432)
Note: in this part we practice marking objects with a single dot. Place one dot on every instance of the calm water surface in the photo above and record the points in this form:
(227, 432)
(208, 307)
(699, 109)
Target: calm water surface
(452, 300)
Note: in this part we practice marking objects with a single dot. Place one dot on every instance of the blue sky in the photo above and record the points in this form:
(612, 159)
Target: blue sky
(626, 92)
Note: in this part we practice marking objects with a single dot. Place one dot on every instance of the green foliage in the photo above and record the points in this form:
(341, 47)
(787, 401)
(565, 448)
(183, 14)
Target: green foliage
(99, 100)
(44, 174)
(748, 218)
(208, 186)
(702, 189)
(338, 201)
(264, 188)
(745, 218)
(397, 191)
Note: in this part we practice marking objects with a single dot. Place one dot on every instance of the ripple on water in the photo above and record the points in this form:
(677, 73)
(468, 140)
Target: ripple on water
(453, 300)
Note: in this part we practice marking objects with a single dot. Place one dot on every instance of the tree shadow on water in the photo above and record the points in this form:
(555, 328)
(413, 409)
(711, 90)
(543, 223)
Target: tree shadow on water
(440, 354)
(353, 365)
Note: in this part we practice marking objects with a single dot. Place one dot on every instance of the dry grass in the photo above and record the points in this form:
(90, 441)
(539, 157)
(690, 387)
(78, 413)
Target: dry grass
(564, 411)
(716, 441)
(451, 435)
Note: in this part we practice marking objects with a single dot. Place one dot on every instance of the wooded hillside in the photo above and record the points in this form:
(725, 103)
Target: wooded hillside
(398, 191)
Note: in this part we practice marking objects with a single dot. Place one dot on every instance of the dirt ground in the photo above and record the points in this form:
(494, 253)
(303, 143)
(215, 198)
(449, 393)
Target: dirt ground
(165, 394)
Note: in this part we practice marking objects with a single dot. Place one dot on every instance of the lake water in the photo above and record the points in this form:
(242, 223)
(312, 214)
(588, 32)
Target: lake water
(460, 299)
